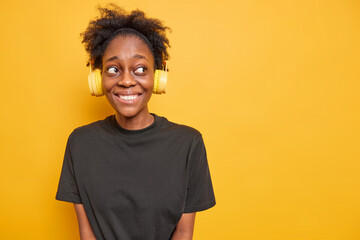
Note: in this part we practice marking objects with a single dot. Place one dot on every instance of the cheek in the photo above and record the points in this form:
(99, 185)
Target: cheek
(107, 85)
(150, 82)
(150, 87)
(146, 84)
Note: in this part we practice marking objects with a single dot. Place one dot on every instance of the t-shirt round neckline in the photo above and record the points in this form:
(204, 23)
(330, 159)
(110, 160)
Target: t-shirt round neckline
(139, 132)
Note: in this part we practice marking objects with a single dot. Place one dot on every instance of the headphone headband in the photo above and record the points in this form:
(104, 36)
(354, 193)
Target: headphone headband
(131, 30)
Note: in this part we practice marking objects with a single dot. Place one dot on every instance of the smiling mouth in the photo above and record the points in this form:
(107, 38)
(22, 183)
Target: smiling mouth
(128, 97)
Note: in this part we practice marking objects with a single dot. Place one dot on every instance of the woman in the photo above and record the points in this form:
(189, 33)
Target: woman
(134, 174)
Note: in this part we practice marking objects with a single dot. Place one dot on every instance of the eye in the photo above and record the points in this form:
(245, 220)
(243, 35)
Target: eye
(112, 70)
(140, 70)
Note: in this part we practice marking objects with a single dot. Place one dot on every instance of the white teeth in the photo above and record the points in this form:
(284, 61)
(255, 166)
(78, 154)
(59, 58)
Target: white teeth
(129, 97)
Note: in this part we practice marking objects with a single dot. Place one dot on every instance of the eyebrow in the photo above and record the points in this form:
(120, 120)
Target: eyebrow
(112, 58)
(134, 56)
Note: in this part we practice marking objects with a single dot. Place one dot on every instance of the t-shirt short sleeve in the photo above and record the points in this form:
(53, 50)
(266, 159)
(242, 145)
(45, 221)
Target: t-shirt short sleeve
(200, 194)
(67, 188)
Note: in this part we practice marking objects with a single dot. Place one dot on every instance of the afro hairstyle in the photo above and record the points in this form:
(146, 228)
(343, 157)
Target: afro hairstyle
(108, 25)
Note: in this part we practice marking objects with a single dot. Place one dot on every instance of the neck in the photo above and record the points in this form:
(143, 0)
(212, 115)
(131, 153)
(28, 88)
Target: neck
(136, 122)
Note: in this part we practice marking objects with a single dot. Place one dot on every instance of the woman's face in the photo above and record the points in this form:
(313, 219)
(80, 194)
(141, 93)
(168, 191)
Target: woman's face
(128, 75)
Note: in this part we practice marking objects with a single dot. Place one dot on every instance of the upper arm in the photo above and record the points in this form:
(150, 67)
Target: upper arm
(68, 188)
(200, 193)
(186, 224)
(85, 229)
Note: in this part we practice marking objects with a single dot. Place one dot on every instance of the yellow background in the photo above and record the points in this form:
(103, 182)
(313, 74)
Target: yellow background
(273, 86)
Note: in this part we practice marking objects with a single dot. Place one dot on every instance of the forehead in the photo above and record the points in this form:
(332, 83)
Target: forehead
(125, 46)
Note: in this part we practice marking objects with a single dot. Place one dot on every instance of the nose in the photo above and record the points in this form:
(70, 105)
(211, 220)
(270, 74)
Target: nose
(126, 79)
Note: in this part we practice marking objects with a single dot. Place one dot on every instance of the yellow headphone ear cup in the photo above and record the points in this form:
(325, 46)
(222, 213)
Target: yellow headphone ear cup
(156, 81)
(160, 80)
(163, 81)
(95, 86)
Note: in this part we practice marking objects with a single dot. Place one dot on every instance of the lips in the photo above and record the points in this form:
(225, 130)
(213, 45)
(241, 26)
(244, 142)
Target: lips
(127, 96)
(127, 93)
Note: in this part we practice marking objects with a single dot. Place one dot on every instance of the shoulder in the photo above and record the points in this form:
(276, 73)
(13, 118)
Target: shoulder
(90, 129)
(180, 129)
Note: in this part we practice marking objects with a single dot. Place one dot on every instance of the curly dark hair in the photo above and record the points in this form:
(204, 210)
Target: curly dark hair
(113, 18)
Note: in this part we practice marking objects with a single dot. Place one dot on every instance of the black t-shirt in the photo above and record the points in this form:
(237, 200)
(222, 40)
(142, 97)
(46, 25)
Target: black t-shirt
(135, 184)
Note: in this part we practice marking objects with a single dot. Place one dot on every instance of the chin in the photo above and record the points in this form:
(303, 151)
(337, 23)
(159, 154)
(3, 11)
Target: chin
(129, 113)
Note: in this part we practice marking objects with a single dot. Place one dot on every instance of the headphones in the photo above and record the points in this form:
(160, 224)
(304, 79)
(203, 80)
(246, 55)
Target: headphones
(97, 90)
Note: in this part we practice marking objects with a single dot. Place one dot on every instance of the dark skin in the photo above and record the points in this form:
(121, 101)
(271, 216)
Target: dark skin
(128, 72)
(128, 69)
